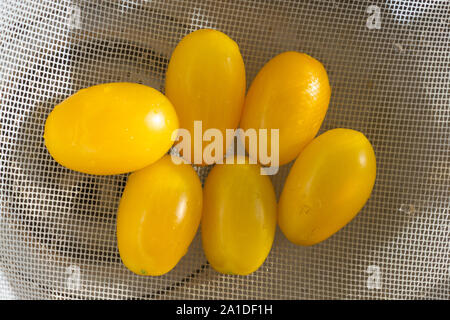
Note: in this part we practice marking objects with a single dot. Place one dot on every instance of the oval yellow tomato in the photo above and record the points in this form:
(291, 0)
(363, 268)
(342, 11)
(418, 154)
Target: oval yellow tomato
(290, 93)
(111, 128)
(205, 81)
(239, 217)
(158, 216)
(327, 186)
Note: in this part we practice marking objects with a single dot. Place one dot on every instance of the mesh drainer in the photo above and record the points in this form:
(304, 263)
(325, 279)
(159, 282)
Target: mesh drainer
(388, 64)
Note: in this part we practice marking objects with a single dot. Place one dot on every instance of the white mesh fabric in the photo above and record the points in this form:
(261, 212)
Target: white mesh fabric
(57, 227)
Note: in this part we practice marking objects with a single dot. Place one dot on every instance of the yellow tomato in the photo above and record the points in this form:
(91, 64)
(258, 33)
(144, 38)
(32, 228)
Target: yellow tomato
(111, 128)
(327, 186)
(158, 216)
(205, 81)
(290, 93)
(239, 218)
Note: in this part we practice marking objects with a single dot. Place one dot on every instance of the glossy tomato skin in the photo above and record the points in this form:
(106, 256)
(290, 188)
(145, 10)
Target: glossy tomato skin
(158, 216)
(327, 186)
(205, 81)
(239, 218)
(290, 93)
(111, 128)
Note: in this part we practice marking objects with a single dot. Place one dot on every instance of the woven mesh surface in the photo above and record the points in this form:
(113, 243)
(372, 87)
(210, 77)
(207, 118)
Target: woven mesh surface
(392, 82)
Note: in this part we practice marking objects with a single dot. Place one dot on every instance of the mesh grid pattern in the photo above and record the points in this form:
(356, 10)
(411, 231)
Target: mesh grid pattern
(57, 227)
